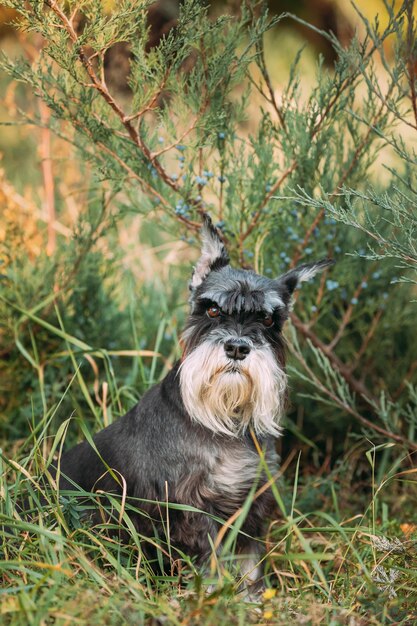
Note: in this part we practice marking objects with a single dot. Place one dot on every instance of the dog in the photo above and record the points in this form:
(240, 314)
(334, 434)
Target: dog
(195, 438)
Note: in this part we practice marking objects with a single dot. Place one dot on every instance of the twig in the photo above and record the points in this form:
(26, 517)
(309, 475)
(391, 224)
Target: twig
(411, 65)
(97, 84)
(362, 145)
(315, 130)
(179, 139)
(346, 407)
(269, 195)
(47, 174)
(145, 185)
(356, 385)
(347, 315)
(126, 120)
(405, 380)
(367, 339)
(265, 74)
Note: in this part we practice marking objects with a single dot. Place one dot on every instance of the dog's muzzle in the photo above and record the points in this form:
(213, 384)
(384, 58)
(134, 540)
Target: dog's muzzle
(236, 350)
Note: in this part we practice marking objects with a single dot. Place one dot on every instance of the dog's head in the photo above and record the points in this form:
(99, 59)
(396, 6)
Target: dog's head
(233, 368)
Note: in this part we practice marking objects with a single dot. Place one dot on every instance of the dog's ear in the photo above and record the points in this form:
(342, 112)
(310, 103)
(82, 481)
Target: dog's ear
(213, 253)
(289, 281)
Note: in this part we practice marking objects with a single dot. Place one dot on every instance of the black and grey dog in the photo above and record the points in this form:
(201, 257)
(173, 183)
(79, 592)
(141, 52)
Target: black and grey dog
(194, 438)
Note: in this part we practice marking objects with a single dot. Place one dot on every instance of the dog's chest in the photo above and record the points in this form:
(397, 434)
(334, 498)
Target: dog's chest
(236, 470)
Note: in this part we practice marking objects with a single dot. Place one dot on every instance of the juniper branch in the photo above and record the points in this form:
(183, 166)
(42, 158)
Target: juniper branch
(355, 385)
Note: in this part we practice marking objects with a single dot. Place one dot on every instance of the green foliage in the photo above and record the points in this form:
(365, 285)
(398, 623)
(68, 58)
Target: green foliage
(320, 562)
(326, 170)
(43, 326)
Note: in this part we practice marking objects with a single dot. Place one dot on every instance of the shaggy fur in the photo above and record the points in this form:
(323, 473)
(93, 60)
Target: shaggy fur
(191, 439)
(229, 397)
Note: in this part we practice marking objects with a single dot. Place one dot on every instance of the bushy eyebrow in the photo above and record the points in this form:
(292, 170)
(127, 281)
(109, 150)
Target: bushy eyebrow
(205, 303)
(239, 300)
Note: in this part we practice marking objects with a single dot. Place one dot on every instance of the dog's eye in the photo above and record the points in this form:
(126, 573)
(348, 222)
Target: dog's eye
(267, 320)
(213, 311)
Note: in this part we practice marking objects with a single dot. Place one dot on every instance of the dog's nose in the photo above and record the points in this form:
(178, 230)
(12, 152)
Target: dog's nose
(236, 350)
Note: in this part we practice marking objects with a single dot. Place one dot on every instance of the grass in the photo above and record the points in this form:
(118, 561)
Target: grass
(342, 547)
(320, 569)
(332, 561)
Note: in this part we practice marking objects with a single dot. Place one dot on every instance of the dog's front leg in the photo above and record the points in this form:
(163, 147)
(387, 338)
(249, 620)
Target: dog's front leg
(250, 568)
(194, 533)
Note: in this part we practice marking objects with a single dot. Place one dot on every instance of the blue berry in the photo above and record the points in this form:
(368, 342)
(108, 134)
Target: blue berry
(174, 176)
(221, 135)
(308, 250)
(208, 174)
(268, 188)
(354, 301)
(332, 284)
(376, 275)
(180, 147)
(313, 308)
(364, 284)
(221, 179)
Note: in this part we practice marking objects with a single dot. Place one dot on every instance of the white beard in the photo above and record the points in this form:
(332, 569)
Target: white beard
(230, 396)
